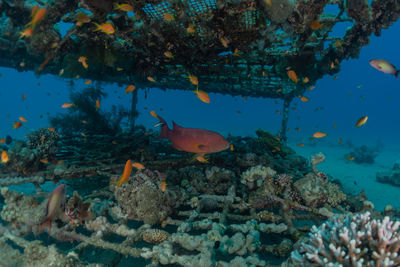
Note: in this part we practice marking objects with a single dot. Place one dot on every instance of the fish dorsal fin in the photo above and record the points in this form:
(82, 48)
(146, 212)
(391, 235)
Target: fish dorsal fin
(176, 127)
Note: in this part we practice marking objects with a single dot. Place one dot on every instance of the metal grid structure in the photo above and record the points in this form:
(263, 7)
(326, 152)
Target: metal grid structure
(235, 47)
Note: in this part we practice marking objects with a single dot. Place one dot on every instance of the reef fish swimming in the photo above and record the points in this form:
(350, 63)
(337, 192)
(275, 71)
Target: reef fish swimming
(384, 66)
(193, 140)
(56, 200)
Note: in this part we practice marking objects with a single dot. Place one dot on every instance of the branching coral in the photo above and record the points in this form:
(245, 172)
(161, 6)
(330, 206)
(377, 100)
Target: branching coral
(358, 240)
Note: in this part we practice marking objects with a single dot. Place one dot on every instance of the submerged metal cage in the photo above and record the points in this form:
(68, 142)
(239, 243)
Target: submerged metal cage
(237, 47)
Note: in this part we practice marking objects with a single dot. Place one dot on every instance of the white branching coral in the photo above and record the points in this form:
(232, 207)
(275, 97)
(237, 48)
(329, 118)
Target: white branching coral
(357, 240)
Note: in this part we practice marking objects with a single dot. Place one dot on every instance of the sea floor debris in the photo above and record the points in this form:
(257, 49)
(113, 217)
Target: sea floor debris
(240, 209)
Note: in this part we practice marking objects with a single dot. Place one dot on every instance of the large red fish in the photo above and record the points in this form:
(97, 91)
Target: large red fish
(197, 141)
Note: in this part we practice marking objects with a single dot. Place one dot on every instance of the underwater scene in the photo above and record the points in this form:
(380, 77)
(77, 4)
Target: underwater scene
(199, 133)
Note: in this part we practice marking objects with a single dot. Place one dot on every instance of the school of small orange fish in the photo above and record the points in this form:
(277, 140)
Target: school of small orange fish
(200, 149)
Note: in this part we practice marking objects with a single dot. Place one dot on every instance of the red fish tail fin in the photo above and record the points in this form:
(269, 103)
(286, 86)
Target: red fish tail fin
(164, 128)
(43, 225)
(397, 73)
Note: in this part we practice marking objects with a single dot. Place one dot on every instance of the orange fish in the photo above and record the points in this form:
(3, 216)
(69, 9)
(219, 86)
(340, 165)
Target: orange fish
(153, 113)
(83, 61)
(82, 18)
(319, 134)
(304, 99)
(168, 54)
(334, 77)
(51, 129)
(17, 124)
(269, 2)
(4, 157)
(83, 134)
(311, 88)
(123, 7)
(105, 27)
(22, 119)
(45, 62)
(300, 144)
(335, 125)
(193, 79)
(350, 158)
(67, 105)
(293, 76)
(163, 186)
(192, 140)
(138, 166)
(84, 121)
(231, 147)
(340, 141)
(97, 104)
(277, 112)
(23, 97)
(125, 175)
(361, 121)
(88, 82)
(224, 42)
(201, 159)
(45, 161)
(306, 80)
(151, 79)
(55, 202)
(332, 65)
(2, 140)
(120, 69)
(203, 96)
(191, 29)
(130, 88)
(37, 17)
(168, 17)
(28, 32)
(315, 25)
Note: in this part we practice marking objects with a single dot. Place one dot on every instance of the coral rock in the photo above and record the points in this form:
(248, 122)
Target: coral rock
(155, 236)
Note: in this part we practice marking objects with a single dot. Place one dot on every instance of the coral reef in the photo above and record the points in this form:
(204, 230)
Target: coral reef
(44, 140)
(390, 177)
(142, 199)
(363, 154)
(355, 240)
(316, 190)
(254, 177)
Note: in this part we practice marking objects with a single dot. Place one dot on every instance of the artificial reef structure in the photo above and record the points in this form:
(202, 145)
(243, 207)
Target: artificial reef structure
(236, 47)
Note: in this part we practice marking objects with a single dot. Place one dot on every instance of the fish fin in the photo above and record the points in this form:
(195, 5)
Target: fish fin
(164, 128)
(176, 127)
(397, 73)
(43, 225)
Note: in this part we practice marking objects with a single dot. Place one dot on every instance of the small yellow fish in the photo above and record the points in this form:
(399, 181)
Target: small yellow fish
(151, 79)
(361, 121)
(81, 18)
(153, 113)
(67, 105)
(293, 76)
(4, 157)
(22, 119)
(163, 186)
(138, 166)
(304, 99)
(168, 17)
(224, 42)
(88, 82)
(231, 147)
(193, 79)
(28, 32)
(83, 61)
(269, 2)
(203, 96)
(130, 88)
(126, 173)
(97, 104)
(17, 124)
(191, 29)
(340, 140)
(123, 7)
(37, 16)
(201, 159)
(319, 134)
(316, 25)
(306, 80)
(107, 28)
(168, 54)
